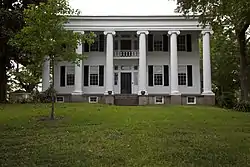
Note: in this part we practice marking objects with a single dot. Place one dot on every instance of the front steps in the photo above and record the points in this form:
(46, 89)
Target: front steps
(126, 100)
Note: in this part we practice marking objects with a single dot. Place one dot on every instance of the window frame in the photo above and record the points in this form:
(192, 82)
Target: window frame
(162, 99)
(66, 75)
(98, 66)
(90, 101)
(96, 42)
(161, 50)
(162, 75)
(60, 97)
(186, 78)
(191, 102)
(181, 44)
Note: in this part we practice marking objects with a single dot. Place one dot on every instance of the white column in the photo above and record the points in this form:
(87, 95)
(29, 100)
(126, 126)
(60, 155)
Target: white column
(207, 88)
(78, 73)
(174, 87)
(142, 80)
(109, 79)
(46, 75)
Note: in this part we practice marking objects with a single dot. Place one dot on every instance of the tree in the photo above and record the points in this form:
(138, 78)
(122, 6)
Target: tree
(233, 16)
(44, 36)
(11, 14)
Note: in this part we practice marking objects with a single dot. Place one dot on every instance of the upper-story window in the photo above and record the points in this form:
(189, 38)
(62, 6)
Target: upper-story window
(158, 43)
(181, 43)
(98, 44)
(95, 46)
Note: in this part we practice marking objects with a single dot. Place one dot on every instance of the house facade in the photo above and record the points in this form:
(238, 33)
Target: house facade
(137, 59)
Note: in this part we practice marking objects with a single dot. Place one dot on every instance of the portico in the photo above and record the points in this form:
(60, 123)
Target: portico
(141, 57)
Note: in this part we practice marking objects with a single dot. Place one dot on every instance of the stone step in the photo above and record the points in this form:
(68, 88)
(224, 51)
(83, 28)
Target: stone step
(126, 100)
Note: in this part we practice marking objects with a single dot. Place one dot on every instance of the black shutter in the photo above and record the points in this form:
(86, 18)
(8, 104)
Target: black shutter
(189, 75)
(86, 47)
(150, 42)
(189, 43)
(62, 76)
(101, 75)
(101, 43)
(166, 75)
(86, 76)
(165, 42)
(150, 76)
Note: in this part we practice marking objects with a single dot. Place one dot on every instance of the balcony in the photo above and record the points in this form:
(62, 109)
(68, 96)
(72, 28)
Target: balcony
(126, 54)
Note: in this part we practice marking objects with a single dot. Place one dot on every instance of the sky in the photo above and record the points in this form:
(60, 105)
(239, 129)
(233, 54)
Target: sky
(124, 7)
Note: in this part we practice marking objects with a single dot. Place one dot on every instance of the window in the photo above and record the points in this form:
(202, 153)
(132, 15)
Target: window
(181, 43)
(158, 75)
(93, 75)
(70, 75)
(182, 75)
(60, 99)
(157, 42)
(95, 46)
(93, 99)
(115, 78)
(116, 45)
(159, 100)
(135, 78)
(191, 100)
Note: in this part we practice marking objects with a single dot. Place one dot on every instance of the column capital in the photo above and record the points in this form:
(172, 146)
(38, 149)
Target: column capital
(109, 32)
(174, 32)
(203, 32)
(142, 32)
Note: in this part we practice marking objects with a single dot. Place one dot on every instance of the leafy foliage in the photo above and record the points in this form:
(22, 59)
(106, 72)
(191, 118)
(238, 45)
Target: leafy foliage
(44, 36)
(242, 106)
(232, 19)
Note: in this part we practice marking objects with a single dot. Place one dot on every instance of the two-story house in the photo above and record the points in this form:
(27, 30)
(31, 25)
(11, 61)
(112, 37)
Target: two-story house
(138, 60)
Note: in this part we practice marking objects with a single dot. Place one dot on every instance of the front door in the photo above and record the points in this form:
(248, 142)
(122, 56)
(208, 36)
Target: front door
(126, 87)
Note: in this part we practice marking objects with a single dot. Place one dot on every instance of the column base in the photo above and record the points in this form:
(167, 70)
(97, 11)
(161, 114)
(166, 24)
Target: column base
(109, 92)
(77, 93)
(109, 99)
(209, 93)
(175, 99)
(143, 100)
(142, 92)
(175, 93)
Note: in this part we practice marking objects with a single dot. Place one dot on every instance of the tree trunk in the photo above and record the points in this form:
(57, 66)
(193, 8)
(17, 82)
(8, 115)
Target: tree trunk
(3, 79)
(241, 37)
(52, 114)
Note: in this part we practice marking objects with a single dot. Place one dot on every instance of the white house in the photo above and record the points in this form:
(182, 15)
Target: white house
(137, 60)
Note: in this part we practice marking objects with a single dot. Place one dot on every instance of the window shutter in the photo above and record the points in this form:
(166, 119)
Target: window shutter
(166, 75)
(150, 42)
(150, 76)
(62, 76)
(165, 42)
(189, 43)
(86, 76)
(101, 75)
(101, 43)
(189, 75)
(86, 47)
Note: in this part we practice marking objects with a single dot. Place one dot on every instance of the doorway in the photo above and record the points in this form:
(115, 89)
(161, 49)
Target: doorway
(126, 84)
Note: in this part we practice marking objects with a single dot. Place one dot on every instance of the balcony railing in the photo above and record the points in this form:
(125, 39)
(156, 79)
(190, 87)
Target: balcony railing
(126, 53)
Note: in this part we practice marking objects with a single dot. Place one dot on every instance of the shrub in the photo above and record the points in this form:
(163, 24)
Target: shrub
(226, 100)
(242, 106)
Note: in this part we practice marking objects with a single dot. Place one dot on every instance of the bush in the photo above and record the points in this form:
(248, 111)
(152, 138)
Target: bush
(226, 100)
(242, 106)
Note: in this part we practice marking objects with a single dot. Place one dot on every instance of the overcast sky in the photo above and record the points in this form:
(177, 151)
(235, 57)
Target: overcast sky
(124, 7)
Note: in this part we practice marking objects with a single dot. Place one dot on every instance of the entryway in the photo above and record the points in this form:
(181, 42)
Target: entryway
(126, 84)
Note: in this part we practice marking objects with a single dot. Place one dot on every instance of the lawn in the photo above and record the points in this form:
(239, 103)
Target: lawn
(105, 136)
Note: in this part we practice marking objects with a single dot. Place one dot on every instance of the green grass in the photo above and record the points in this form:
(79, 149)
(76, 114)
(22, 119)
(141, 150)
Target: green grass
(100, 135)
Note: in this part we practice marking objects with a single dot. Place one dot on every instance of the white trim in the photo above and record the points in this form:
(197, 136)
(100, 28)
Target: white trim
(93, 101)
(191, 102)
(162, 98)
(60, 97)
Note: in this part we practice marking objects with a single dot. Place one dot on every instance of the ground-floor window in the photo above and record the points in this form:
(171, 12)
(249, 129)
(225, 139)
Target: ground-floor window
(158, 76)
(94, 75)
(67, 75)
(182, 75)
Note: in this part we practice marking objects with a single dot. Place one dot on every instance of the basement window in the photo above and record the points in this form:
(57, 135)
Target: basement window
(159, 100)
(59, 99)
(191, 100)
(93, 99)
